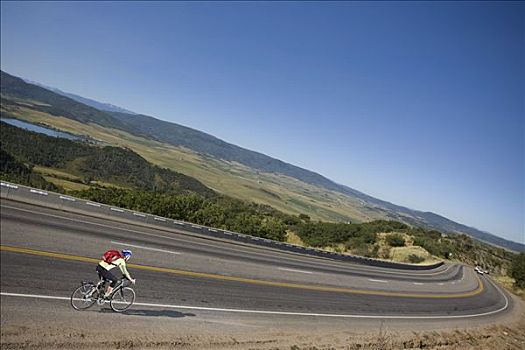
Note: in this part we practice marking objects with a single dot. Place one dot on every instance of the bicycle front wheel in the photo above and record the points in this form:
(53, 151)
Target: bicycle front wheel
(122, 299)
(82, 297)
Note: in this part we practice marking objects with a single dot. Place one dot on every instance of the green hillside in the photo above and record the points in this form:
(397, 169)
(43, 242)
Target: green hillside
(14, 171)
(43, 100)
(116, 165)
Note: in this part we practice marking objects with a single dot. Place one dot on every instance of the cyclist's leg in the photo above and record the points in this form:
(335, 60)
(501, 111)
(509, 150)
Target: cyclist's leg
(107, 275)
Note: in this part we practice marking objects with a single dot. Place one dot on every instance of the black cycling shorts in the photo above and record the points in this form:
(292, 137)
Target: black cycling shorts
(102, 272)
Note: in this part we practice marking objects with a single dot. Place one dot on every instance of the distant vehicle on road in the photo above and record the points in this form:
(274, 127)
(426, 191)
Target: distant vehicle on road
(479, 270)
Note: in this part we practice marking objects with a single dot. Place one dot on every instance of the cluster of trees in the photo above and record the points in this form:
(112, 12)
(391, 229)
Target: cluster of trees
(359, 238)
(432, 241)
(248, 218)
(320, 234)
(109, 164)
(13, 171)
(517, 270)
(218, 211)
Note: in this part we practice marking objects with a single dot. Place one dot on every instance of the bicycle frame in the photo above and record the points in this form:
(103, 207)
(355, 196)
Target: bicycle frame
(96, 294)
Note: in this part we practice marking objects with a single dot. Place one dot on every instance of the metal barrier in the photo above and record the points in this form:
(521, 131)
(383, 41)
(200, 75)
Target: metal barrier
(77, 205)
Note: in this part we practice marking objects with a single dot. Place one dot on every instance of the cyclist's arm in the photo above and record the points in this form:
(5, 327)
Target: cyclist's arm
(122, 265)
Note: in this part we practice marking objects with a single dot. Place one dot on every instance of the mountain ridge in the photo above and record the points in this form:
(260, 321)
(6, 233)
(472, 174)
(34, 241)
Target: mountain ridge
(204, 143)
(107, 107)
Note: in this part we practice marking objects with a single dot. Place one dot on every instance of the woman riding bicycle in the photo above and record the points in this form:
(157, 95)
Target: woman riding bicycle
(111, 259)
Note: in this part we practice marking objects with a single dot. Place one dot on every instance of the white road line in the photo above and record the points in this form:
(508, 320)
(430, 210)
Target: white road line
(109, 226)
(117, 209)
(71, 199)
(334, 264)
(440, 284)
(38, 192)
(93, 204)
(159, 219)
(275, 312)
(8, 185)
(373, 280)
(418, 283)
(147, 248)
(293, 270)
(139, 214)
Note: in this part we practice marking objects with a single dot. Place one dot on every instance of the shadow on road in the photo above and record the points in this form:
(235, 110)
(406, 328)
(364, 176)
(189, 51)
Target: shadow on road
(164, 313)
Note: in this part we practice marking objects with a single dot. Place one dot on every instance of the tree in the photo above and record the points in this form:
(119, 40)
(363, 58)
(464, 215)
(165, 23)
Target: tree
(304, 217)
(275, 229)
(517, 270)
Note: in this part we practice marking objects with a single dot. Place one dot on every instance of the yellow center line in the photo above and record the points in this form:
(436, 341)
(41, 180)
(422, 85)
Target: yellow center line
(249, 280)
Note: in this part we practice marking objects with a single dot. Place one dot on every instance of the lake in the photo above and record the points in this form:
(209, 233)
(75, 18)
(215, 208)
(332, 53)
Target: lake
(40, 129)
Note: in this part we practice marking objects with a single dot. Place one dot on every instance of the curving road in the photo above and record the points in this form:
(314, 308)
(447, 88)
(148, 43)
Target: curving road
(46, 252)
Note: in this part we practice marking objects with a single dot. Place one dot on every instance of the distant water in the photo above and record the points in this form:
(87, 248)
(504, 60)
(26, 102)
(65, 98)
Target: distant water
(40, 129)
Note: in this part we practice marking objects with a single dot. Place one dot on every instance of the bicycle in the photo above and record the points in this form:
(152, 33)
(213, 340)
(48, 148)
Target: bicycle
(89, 293)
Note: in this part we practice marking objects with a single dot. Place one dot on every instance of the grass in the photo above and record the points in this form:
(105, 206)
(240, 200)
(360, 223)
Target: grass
(401, 254)
(55, 173)
(65, 184)
(61, 178)
(508, 283)
(284, 193)
(68, 181)
(293, 238)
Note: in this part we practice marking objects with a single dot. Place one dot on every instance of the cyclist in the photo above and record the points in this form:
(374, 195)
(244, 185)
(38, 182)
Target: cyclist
(113, 258)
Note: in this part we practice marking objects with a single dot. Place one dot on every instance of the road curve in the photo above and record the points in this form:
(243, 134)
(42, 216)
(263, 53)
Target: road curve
(46, 252)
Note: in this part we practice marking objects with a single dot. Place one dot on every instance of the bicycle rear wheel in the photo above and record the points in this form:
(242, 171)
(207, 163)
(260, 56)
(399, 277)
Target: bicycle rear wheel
(122, 299)
(83, 298)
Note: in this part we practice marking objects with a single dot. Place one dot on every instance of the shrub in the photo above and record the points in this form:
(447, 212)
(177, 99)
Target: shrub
(395, 240)
(517, 270)
(431, 246)
(304, 217)
(363, 249)
(415, 259)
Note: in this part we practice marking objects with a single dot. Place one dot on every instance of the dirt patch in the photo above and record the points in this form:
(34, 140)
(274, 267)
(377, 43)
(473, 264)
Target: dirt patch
(94, 337)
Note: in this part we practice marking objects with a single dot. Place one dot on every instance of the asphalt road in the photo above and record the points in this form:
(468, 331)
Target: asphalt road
(177, 271)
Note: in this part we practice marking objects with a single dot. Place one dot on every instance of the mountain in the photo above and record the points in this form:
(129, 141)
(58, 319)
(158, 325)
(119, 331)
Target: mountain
(40, 99)
(107, 107)
(215, 150)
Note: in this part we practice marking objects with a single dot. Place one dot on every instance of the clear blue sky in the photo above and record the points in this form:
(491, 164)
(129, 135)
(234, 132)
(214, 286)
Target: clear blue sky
(420, 104)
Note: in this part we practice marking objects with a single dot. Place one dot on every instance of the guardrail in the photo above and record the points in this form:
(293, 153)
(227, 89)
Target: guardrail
(67, 203)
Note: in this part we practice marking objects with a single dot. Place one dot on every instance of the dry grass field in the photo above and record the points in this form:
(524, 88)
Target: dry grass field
(281, 192)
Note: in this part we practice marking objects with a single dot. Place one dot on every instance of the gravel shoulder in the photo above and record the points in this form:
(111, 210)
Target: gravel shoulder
(50, 324)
